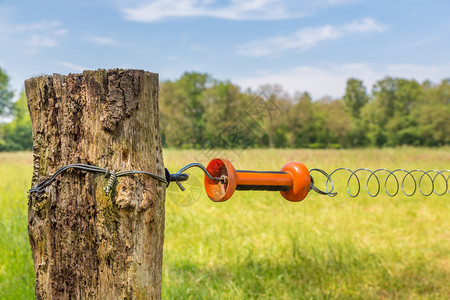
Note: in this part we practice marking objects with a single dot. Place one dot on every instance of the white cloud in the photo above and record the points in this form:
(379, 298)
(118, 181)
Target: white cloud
(331, 81)
(156, 10)
(307, 37)
(52, 26)
(31, 36)
(44, 41)
(419, 72)
(71, 66)
(363, 25)
(103, 41)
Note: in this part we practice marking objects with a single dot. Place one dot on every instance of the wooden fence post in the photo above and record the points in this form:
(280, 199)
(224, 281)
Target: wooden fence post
(87, 245)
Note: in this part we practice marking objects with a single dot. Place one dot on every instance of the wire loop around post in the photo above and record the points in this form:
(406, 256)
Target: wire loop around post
(40, 187)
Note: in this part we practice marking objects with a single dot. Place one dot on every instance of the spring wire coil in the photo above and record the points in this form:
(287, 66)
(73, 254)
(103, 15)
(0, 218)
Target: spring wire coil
(396, 178)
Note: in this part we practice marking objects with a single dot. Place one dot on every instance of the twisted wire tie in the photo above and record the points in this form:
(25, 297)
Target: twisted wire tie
(111, 182)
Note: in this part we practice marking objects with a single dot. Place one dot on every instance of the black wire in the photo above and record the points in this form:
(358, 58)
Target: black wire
(40, 187)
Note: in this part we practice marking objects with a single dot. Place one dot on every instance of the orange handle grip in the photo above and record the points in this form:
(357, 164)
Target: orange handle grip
(293, 181)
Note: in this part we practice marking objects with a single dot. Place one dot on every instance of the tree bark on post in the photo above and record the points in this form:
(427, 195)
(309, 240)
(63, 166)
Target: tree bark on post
(85, 244)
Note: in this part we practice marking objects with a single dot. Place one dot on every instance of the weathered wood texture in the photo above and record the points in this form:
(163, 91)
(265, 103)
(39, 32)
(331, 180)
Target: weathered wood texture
(87, 245)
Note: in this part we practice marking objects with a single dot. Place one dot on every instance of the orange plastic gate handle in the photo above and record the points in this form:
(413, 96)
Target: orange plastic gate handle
(293, 181)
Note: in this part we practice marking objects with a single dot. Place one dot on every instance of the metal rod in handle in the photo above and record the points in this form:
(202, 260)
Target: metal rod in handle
(263, 181)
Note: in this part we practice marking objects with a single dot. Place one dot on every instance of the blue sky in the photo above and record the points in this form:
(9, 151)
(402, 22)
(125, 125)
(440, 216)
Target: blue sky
(308, 45)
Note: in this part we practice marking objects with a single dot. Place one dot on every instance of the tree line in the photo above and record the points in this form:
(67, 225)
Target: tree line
(15, 135)
(199, 111)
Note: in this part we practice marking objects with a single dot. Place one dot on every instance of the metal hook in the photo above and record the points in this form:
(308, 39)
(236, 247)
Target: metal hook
(222, 179)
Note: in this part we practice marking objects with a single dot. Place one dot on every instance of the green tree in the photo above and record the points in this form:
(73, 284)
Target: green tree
(175, 127)
(6, 94)
(301, 118)
(223, 106)
(390, 112)
(434, 125)
(183, 109)
(331, 123)
(271, 96)
(337, 122)
(433, 114)
(190, 94)
(355, 97)
(17, 135)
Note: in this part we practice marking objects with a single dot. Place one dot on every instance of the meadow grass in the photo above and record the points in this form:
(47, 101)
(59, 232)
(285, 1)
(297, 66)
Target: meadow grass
(259, 246)
(16, 264)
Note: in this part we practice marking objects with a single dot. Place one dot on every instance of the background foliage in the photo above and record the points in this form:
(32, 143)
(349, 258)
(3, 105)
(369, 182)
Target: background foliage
(17, 134)
(198, 111)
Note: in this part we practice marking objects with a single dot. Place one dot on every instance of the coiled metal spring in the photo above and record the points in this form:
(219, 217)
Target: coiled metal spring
(430, 182)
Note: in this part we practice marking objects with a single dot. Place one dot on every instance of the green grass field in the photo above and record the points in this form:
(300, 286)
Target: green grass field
(258, 246)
